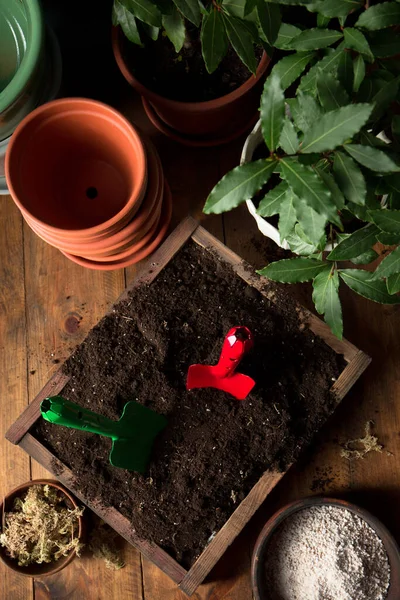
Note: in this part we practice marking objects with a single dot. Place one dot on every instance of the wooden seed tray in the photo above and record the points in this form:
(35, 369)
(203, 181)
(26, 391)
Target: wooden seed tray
(187, 580)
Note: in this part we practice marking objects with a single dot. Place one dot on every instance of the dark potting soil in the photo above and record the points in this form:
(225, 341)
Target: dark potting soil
(214, 447)
(184, 76)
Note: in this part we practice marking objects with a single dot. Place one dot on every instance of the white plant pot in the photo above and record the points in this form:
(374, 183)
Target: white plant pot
(252, 142)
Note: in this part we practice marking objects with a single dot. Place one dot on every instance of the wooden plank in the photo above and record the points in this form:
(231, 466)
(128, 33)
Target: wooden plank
(64, 301)
(14, 466)
(228, 532)
(32, 412)
(110, 515)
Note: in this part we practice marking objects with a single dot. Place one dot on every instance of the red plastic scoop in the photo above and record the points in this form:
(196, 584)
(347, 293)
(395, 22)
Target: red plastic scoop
(222, 376)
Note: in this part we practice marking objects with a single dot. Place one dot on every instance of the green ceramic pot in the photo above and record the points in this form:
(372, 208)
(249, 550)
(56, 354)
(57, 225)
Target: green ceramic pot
(21, 45)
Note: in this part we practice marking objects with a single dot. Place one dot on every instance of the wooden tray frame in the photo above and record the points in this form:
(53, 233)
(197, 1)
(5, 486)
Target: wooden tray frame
(188, 581)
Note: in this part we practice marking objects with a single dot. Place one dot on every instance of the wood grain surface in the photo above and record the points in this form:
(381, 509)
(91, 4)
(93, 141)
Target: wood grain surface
(47, 306)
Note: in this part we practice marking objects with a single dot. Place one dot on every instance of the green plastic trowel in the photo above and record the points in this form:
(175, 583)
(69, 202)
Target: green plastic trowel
(132, 436)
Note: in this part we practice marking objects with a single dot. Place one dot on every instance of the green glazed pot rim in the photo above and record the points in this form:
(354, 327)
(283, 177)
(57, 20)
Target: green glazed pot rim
(31, 57)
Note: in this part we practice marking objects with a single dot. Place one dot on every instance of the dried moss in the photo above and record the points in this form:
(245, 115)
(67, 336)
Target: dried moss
(366, 444)
(40, 528)
(103, 545)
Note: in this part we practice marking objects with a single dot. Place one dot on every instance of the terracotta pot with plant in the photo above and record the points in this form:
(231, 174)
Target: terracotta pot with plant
(318, 167)
(199, 69)
(41, 528)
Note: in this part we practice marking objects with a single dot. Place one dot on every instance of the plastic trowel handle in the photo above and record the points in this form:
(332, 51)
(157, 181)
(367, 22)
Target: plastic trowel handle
(61, 411)
(222, 376)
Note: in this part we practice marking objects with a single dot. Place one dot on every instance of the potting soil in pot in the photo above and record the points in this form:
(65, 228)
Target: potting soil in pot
(326, 552)
(214, 447)
(184, 76)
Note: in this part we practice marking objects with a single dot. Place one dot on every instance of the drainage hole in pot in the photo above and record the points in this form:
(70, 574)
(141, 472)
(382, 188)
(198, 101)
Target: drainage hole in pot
(91, 193)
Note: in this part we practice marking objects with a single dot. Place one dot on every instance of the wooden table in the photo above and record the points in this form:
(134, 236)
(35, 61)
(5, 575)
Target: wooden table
(47, 306)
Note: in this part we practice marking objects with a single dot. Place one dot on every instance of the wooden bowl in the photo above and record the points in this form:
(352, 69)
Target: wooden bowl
(35, 569)
(260, 591)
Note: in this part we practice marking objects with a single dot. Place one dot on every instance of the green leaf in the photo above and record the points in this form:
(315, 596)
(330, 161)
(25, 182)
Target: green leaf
(272, 111)
(249, 6)
(337, 8)
(393, 284)
(345, 71)
(271, 203)
(389, 266)
(326, 299)
(368, 139)
(236, 8)
(214, 42)
(330, 92)
(285, 35)
(395, 126)
(356, 244)
(190, 9)
(313, 39)
(322, 21)
(287, 216)
(380, 16)
(386, 94)
(175, 28)
(127, 22)
(145, 10)
(291, 67)
(293, 270)
(335, 127)
(289, 141)
(359, 72)
(355, 40)
(359, 281)
(349, 178)
(304, 110)
(328, 64)
(385, 43)
(299, 243)
(389, 239)
(306, 184)
(372, 158)
(312, 223)
(239, 185)
(241, 41)
(332, 186)
(151, 31)
(387, 220)
(270, 19)
(365, 258)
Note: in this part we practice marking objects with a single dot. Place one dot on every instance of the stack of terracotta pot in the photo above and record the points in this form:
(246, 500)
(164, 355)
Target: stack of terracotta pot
(87, 183)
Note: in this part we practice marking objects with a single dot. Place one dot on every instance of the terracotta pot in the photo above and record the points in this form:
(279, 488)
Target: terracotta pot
(77, 169)
(135, 256)
(141, 230)
(210, 121)
(129, 235)
(260, 589)
(44, 569)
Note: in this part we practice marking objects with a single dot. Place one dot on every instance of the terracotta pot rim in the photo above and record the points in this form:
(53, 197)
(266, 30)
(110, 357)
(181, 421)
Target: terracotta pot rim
(195, 141)
(389, 542)
(110, 266)
(119, 121)
(63, 560)
(132, 228)
(201, 106)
